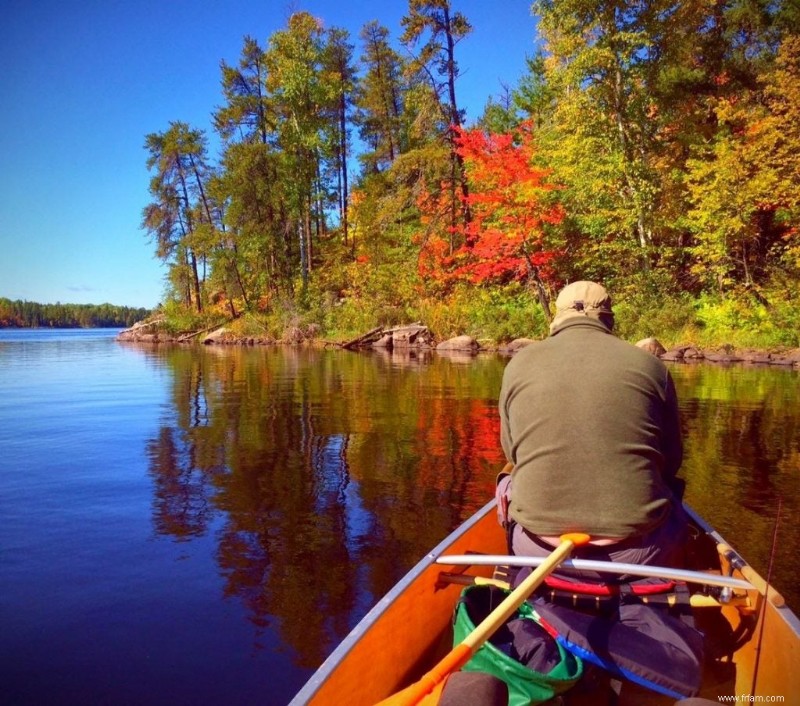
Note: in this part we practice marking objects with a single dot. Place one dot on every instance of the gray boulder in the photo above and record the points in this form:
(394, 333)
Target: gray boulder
(217, 336)
(515, 345)
(651, 345)
(459, 343)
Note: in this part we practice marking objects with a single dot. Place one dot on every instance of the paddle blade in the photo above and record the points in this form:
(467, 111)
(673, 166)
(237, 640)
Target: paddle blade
(428, 689)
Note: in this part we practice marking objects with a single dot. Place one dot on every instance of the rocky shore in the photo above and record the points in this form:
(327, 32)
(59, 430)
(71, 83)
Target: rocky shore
(417, 337)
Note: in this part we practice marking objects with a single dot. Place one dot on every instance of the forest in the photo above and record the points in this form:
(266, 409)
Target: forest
(24, 314)
(653, 146)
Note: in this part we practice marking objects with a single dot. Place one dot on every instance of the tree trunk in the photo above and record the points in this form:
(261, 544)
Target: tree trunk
(457, 162)
(198, 298)
(343, 159)
(189, 231)
(303, 257)
(541, 291)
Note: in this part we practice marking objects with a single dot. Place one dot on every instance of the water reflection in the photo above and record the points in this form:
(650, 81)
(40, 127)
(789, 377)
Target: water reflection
(742, 434)
(325, 475)
(328, 474)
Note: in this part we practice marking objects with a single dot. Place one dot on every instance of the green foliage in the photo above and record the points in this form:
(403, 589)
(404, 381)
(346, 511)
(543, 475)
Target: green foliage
(491, 315)
(506, 314)
(671, 139)
(381, 119)
(179, 218)
(741, 319)
(432, 28)
(182, 319)
(668, 317)
(746, 320)
(355, 296)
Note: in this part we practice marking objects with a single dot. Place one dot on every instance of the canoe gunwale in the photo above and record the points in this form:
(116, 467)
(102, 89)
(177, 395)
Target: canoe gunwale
(783, 611)
(336, 657)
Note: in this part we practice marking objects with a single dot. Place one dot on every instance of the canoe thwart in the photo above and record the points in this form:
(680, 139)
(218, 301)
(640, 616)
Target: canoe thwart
(751, 575)
(696, 600)
(610, 567)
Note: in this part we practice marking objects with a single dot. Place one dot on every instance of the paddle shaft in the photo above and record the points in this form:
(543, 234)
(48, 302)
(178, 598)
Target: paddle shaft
(518, 596)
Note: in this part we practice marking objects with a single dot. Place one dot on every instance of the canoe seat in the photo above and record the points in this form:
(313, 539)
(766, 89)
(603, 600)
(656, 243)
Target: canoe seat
(637, 588)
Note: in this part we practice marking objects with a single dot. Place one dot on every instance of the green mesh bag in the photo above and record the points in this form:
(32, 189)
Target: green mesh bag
(521, 653)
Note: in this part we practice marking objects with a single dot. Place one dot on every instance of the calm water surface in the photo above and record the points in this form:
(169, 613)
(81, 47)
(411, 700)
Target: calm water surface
(199, 527)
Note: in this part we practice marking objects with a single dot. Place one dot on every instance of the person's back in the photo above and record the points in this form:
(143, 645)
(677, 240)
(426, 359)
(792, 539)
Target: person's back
(590, 424)
(590, 434)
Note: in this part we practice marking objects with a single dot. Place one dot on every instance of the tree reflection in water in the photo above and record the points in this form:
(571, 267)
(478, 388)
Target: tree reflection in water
(328, 473)
(742, 434)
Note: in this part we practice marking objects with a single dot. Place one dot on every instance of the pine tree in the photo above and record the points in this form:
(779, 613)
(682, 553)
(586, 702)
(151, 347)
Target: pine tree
(433, 26)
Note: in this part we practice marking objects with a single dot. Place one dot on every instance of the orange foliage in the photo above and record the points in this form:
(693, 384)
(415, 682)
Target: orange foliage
(506, 232)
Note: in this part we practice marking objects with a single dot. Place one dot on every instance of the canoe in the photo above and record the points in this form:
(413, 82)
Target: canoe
(410, 628)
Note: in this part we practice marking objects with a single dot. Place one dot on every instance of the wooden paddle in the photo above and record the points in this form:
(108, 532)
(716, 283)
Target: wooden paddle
(462, 653)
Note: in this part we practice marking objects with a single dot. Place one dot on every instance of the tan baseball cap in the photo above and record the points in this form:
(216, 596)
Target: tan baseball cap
(581, 299)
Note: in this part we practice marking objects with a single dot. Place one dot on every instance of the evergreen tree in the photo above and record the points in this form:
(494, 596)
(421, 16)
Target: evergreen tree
(301, 90)
(380, 100)
(433, 26)
(249, 183)
(176, 155)
(248, 115)
(338, 63)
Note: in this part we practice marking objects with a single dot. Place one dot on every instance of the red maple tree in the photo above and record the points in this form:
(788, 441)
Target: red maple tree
(505, 237)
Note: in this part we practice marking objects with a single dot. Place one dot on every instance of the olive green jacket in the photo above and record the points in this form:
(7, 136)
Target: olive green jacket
(590, 423)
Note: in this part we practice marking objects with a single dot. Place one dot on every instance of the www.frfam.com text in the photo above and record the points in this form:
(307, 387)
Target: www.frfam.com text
(751, 699)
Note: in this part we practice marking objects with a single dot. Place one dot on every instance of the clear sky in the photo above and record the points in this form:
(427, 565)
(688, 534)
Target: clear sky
(83, 81)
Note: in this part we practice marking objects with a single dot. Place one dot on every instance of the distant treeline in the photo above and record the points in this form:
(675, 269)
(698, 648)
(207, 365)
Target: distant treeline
(24, 314)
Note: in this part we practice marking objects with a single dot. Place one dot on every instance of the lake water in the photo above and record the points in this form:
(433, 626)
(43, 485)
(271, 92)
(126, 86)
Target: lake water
(184, 526)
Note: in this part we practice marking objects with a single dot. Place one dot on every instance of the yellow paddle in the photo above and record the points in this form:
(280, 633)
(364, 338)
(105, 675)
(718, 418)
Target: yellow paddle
(462, 652)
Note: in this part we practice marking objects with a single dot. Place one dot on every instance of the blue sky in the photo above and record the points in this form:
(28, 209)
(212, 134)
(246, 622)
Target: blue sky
(83, 81)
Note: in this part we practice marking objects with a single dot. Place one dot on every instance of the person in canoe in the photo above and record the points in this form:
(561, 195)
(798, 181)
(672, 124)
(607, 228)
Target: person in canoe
(590, 424)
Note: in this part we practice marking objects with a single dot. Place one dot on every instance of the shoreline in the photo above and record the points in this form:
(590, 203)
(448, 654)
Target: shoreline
(460, 346)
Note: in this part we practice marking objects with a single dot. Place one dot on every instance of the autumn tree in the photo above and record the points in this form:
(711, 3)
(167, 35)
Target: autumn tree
(599, 62)
(776, 138)
(744, 185)
(506, 239)
(669, 127)
(630, 92)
